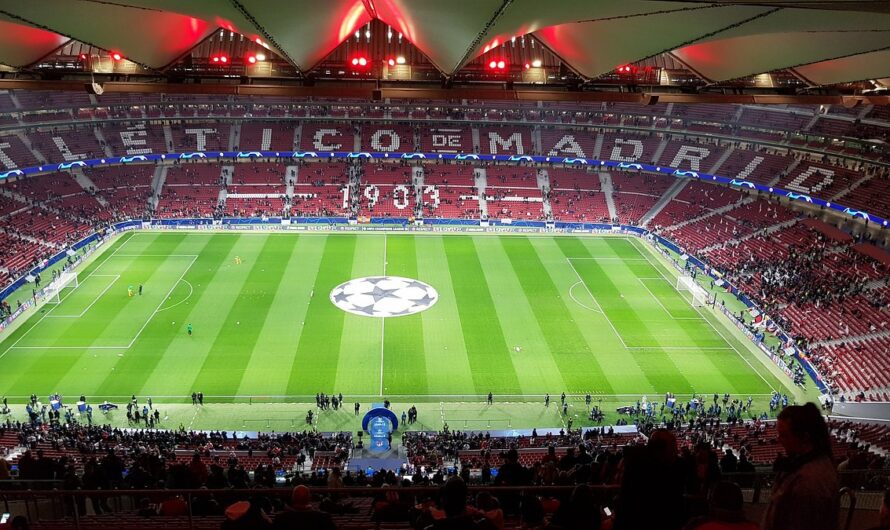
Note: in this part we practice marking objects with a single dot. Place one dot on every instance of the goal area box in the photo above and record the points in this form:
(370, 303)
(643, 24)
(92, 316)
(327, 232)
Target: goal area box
(53, 291)
(692, 291)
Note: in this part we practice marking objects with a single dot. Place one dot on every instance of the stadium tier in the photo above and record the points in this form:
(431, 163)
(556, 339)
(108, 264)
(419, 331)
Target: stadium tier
(251, 318)
(393, 265)
(716, 223)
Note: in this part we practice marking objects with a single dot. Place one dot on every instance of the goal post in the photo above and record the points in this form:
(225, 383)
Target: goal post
(53, 292)
(692, 291)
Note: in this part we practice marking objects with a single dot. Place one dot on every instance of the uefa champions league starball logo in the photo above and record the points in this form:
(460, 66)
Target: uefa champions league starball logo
(384, 296)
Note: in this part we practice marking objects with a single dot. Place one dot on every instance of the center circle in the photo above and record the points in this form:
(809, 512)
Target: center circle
(384, 296)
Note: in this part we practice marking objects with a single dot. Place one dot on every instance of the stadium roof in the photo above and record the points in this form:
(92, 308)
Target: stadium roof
(824, 42)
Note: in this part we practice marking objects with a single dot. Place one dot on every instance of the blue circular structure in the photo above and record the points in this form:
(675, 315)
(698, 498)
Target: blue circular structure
(382, 413)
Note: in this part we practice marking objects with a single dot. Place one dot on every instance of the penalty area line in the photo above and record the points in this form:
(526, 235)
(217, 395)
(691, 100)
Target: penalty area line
(100, 295)
(666, 310)
(729, 342)
(572, 296)
(598, 304)
(138, 333)
(96, 268)
(158, 309)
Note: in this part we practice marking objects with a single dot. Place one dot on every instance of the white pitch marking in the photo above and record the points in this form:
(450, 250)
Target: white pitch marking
(191, 290)
(609, 258)
(666, 310)
(307, 396)
(29, 330)
(82, 313)
(572, 296)
(69, 347)
(580, 279)
(128, 346)
(681, 348)
(194, 259)
(382, 323)
(732, 346)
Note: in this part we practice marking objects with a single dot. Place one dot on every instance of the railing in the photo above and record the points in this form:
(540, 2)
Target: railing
(68, 507)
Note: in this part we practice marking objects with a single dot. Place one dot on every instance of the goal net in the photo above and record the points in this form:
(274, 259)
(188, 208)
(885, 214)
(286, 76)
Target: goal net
(689, 289)
(53, 292)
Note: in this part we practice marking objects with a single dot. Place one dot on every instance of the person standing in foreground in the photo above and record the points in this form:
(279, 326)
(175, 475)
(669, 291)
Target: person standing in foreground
(884, 513)
(189, 328)
(805, 493)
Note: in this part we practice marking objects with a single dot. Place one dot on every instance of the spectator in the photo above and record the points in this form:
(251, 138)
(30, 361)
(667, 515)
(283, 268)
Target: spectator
(724, 510)
(335, 479)
(511, 473)
(491, 509)
(805, 493)
(390, 507)
(729, 463)
(454, 504)
(704, 471)
(146, 508)
(884, 513)
(246, 515)
(174, 506)
(651, 494)
(300, 515)
(580, 512)
(531, 511)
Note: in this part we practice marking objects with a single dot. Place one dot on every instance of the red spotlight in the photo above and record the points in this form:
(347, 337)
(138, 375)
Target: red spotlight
(354, 61)
(116, 56)
(224, 59)
(493, 65)
(527, 66)
(251, 59)
(391, 62)
(83, 57)
(501, 65)
(215, 58)
(362, 61)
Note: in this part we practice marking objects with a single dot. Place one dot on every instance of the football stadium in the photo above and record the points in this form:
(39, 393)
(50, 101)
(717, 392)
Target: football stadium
(407, 265)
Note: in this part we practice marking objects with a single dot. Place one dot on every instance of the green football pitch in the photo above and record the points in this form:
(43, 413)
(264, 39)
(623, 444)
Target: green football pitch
(516, 315)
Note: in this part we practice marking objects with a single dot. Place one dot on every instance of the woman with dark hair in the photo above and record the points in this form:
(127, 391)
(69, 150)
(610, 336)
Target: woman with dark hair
(884, 513)
(805, 493)
(581, 512)
(651, 493)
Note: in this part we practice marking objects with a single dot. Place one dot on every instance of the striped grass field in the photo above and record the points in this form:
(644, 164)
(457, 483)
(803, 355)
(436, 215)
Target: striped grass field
(517, 315)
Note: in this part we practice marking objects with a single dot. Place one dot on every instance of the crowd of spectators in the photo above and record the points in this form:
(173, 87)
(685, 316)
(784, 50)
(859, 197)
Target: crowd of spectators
(669, 475)
(154, 458)
(798, 279)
